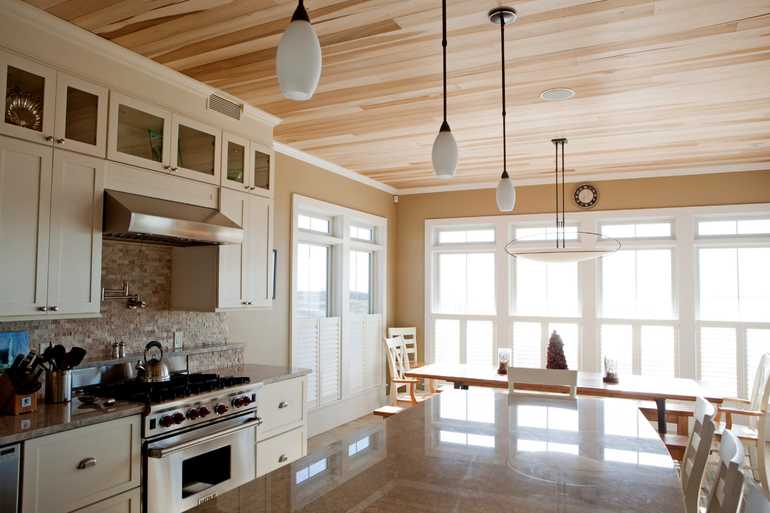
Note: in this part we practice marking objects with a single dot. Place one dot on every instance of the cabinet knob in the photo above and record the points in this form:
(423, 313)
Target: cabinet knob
(86, 463)
(43, 308)
(259, 421)
(174, 168)
(283, 459)
(60, 140)
(166, 166)
(54, 308)
(49, 138)
(283, 404)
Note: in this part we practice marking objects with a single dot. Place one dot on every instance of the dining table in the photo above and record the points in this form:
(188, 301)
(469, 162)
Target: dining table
(478, 451)
(631, 386)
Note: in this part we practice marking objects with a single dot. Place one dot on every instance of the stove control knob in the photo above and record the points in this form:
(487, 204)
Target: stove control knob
(178, 418)
(220, 409)
(245, 400)
(203, 411)
(193, 414)
(240, 401)
(166, 421)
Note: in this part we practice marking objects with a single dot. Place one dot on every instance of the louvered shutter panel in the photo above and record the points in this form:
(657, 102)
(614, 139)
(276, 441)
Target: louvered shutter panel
(372, 349)
(718, 360)
(353, 355)
(305, 353)
(329, 359)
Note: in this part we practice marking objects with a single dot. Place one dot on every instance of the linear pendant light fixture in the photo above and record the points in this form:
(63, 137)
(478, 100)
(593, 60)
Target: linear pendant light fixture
(444, 146)
(505, 195)
(581, 246)
(298, 60)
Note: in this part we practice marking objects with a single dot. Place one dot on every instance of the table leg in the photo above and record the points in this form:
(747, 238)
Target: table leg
(661, 403)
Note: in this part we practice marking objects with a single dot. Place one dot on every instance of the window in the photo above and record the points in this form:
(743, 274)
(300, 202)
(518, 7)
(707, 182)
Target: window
(466, 236)
(718, 360)
(649, 350)
(546, 289)
(530, 342)
(314, 224)
(637, 284)
(637, 230)
(540, 233)
(734, 284)
(734, 227)
(466, 283)
(337, 304)
(361, 233)
(360, 282)
(312, 281)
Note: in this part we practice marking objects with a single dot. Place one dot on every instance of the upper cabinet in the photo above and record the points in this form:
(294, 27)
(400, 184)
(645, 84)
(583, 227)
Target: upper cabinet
(247, 165)
(148, 136)
(52, 108)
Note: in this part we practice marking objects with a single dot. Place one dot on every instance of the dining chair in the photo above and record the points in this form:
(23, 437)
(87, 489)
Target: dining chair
(696, 454)
(726, 490)
(754, 498)
(761, 459)
(552, 380)
(398, 364)
(410, 342)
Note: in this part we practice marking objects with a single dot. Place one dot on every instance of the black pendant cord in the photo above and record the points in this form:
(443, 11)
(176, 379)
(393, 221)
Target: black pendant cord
(556, 189)
(563, 202)
(443, 49)
(502, 62)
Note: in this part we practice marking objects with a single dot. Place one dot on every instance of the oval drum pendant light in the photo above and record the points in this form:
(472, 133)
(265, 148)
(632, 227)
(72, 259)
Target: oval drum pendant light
(444, 147)
(505, 195)
(298, 60)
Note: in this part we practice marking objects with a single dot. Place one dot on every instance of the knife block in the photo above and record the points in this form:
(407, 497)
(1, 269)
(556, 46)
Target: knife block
(13, 403)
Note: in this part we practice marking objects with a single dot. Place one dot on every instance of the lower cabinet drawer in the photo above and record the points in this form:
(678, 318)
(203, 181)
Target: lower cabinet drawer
(280, 450)
(80, 467)
(281, 407)
(128, 502)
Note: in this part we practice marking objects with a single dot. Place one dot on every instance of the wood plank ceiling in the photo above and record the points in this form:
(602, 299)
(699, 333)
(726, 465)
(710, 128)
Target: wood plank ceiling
(662, 85)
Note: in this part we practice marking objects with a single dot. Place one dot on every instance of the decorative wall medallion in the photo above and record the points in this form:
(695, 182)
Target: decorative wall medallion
(586, 195)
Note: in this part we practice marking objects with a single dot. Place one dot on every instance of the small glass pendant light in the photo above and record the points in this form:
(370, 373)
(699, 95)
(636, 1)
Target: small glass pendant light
(444, 154)
(298, 60)
(505, 195)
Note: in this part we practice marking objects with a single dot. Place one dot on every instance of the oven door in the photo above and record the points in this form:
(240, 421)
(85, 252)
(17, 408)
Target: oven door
(191, 468)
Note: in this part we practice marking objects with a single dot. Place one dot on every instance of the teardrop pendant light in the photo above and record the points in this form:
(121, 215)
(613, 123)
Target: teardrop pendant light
(444, 147)
(298, 60)
(505, 195)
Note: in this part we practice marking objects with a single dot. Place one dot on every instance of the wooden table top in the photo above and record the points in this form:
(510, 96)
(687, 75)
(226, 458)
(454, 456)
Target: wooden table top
(643, 388)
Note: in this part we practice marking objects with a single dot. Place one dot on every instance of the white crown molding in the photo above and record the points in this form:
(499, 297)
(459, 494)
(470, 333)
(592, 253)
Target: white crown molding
(51, 24)
(600, 177)
(290, 151)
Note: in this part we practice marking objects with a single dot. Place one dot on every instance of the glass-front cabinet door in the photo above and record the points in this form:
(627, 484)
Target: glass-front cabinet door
(139, 133)
(29, 93)
(195, 152)
(261, 171)
(235, 162)
(81, 116)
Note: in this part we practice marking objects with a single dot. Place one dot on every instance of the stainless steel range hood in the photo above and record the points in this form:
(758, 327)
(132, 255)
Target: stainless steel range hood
(144, 219)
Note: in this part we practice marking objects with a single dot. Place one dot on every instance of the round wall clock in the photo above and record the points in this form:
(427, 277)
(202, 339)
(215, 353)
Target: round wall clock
(586, 195)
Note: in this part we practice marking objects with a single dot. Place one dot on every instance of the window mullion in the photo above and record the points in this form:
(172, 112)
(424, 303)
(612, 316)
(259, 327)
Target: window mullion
(636, 347)
(741, 360)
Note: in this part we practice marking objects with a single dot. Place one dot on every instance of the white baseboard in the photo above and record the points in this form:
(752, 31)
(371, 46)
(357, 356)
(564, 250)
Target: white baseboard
(335, 414)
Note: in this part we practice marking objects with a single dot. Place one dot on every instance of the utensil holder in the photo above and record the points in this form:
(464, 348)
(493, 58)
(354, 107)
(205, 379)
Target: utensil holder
(58, 386)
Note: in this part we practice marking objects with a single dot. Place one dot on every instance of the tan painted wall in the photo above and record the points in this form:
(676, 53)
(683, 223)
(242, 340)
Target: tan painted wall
(682, 191)
(266, 333)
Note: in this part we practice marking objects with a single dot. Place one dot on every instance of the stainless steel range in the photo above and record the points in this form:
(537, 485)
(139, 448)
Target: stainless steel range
(199, 436)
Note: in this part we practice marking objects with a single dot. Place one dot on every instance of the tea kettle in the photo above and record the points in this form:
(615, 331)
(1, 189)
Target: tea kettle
(155, 369)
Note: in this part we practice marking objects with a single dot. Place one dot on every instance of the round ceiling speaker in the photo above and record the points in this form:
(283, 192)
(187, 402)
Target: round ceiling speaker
(557, 94)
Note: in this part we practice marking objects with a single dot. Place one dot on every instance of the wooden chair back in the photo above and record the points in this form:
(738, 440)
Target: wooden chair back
(546, 377)
(760, 452)
(754, 498)
(697, 453)
(410, 342)
(726, 490)
(398, 362)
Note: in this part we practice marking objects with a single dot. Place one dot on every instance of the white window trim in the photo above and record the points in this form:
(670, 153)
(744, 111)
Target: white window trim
(684, 243)
(340, 241)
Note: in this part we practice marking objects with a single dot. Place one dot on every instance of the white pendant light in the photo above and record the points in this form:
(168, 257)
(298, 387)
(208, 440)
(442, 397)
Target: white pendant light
(444, 154)
(298, 61)
(505, 195)
(579, 246)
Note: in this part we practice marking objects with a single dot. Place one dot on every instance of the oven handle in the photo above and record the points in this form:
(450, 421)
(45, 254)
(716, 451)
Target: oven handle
(162, 452)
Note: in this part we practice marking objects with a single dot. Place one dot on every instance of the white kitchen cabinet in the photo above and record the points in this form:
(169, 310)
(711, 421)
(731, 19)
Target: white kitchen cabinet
(230, 276)
(139, 133)
(262, 169)
(128, 502)
(50, 226)
(247, 166)
(195, 150)
(77, 468)
(281, 450)
(281, 406)
(51, 108)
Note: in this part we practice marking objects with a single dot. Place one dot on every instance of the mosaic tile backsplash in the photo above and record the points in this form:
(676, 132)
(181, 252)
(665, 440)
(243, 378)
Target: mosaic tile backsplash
(147, 269)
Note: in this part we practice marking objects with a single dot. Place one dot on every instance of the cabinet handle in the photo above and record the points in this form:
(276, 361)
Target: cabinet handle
(43, 308)
(86, 463)
(259, 421)
(49, 138)
(283, 459)
(60, 140)
(282, 405)
(54, 308)
(174, 168)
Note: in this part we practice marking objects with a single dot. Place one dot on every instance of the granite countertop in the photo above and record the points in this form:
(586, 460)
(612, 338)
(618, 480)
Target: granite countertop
(477, 451)
(53, 418)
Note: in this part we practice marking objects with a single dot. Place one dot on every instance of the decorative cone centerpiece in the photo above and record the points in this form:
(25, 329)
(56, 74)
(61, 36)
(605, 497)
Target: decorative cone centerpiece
(556, 358)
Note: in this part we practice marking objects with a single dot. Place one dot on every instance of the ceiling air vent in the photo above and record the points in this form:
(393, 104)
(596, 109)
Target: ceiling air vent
(225, 106)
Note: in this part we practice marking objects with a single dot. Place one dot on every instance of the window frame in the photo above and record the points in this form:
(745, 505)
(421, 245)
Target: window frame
(683, 243)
